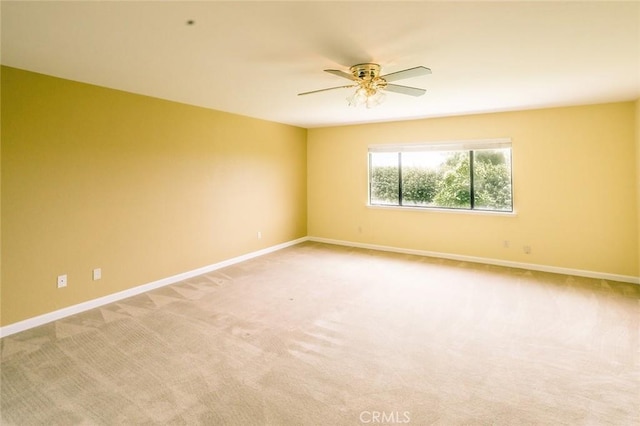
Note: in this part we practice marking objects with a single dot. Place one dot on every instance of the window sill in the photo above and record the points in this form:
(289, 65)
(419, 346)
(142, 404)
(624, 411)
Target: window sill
(442, 210)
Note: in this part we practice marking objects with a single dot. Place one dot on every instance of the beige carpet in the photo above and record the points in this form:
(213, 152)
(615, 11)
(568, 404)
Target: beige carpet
(325, 335)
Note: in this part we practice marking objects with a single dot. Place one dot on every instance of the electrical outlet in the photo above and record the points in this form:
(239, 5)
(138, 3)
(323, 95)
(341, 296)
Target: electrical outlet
(62, 281)
(97, 274)
(527, 249)
(259, 235)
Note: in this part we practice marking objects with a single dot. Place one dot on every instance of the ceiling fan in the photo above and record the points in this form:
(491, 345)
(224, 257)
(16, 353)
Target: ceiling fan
(370, 85)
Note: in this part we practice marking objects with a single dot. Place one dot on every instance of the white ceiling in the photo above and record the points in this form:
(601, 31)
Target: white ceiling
(252, 58)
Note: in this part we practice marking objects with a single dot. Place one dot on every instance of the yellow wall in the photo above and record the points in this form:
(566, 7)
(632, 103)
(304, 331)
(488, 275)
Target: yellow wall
(140, 187)
(575, 189)
(145, 188)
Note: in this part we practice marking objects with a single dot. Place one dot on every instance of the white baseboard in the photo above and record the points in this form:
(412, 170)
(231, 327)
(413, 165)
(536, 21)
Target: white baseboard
(488, 261)
(95, 303)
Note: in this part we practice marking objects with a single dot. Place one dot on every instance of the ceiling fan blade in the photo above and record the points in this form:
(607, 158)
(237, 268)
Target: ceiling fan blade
(324, 90)
(408, 73)
(405, 90)
(342, 74)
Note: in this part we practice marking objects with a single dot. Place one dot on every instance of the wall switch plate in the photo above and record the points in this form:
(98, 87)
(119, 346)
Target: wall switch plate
(97, 274)
(62, 281)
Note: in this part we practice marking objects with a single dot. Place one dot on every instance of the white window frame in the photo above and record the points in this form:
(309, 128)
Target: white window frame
(453, 145)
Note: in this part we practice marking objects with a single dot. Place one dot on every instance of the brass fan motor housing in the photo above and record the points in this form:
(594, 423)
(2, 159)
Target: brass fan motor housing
(368, 78)
(365, 71)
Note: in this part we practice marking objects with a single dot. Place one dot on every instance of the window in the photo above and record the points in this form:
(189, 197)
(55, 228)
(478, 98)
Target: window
(471, 175)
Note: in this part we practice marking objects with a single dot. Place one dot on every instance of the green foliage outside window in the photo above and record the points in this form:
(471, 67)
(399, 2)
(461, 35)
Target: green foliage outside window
(454, 183)
(419, 186)
(384, 184)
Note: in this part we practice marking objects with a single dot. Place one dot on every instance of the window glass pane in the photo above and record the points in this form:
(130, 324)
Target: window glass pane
(384, 178)
(436, 179)
(492, 179)
(454, 181)
(420, 177)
